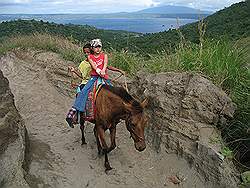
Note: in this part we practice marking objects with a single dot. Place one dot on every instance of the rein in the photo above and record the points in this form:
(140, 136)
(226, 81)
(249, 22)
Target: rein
(131, 130)
(71, 75)
(125, 81)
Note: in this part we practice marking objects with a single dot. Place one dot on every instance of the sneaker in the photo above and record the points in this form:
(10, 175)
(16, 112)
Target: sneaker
(70, 122)
(75, 118)
(70, 116)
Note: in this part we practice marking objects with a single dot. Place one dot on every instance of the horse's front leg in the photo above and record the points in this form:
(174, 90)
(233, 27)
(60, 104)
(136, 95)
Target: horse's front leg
(112, 138)
(82, 129)
(101, 137)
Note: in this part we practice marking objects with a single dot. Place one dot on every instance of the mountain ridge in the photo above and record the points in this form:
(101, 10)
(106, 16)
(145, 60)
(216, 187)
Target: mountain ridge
(170, 9)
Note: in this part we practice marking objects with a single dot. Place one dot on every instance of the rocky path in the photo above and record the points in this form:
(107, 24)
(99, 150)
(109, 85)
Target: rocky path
(56, 157)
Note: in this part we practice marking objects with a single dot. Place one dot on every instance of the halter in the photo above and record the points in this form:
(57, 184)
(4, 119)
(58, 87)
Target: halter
(131, 129)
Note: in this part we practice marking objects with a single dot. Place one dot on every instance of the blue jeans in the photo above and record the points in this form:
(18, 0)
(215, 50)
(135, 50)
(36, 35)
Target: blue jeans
(82, 97)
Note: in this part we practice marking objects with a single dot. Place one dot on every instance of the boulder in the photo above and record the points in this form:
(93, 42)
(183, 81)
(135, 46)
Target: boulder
(184, 111)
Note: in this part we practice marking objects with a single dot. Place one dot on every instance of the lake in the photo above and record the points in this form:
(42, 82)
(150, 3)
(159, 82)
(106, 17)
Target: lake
(141, 25)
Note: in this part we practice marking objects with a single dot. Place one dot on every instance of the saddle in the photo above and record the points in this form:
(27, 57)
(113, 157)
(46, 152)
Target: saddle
(90, 108)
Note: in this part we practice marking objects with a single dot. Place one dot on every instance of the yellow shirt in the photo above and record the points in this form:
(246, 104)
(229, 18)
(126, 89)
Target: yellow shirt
(85, 69)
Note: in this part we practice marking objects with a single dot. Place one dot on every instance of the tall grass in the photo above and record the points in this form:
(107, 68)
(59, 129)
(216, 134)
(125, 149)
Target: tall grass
(128, 62)
(221, 61)
(46, 42)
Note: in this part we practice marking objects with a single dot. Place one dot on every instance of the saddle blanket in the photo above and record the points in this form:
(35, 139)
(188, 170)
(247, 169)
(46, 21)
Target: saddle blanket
(90, 109)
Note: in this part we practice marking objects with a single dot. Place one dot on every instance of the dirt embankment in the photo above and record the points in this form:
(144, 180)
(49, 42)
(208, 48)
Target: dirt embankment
(12, 139)
(179, 152)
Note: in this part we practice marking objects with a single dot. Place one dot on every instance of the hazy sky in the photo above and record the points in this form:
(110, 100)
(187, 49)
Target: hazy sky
(101, 6)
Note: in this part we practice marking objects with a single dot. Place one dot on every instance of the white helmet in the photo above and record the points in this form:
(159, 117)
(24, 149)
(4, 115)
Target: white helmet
(96, 42)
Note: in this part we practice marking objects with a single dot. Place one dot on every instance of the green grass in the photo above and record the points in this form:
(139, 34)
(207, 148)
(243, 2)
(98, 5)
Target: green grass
(46, 42)
(128, 62)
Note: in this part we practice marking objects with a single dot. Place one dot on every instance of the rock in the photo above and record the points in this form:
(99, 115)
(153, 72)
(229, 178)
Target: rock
(245, 176)
(174, 180)
(184, 110)
(12, 140)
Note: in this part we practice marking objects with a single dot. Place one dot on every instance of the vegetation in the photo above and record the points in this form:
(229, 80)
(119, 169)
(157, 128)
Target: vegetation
(46, 42)
(76, 33)
(232, 22)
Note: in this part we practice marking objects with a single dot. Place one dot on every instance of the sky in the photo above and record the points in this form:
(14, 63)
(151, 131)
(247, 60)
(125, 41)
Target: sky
(101, 6)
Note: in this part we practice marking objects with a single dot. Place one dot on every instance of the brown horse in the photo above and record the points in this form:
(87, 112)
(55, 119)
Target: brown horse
(112, 105)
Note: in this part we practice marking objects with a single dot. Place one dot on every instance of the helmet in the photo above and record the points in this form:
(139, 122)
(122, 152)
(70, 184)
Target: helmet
(96, 42)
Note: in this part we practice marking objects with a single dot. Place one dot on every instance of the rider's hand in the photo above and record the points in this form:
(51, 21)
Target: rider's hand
(123, 72)
(72, 69)
(98, 71)
(102, 72)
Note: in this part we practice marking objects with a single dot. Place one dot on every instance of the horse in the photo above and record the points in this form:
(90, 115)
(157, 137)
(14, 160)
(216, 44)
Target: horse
(114, 104)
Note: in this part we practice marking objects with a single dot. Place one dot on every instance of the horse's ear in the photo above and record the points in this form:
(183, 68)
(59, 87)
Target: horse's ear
(144, 103)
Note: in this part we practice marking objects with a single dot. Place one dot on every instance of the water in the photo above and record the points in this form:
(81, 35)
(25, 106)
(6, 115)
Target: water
(141, 25)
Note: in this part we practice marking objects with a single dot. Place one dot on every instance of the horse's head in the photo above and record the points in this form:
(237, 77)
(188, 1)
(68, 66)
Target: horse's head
(135, 123)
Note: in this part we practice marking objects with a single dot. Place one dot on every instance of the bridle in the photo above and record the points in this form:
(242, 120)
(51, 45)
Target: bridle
(131, 129)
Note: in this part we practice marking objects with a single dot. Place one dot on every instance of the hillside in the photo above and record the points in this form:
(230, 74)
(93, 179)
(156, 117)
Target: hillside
(232, 23)
(179, 135)
(78, 33)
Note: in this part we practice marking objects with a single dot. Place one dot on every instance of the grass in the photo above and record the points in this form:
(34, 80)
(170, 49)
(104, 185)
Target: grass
(128, 62)
(227, 152)
(47, 42)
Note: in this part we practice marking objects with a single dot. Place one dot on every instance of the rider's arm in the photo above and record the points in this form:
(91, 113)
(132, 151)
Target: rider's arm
(76, 72)
(105, 62)
(93, 65)
(116, 69)
(103, 72)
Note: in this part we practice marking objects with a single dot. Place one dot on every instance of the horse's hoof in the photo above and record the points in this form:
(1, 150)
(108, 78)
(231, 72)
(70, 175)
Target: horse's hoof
(100, 153)
(113, 171)
(108, 169)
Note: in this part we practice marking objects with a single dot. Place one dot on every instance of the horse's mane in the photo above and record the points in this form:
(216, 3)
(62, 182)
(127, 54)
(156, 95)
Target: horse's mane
(125, 96)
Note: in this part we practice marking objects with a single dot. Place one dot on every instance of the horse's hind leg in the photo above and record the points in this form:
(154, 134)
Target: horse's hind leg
(82, 129)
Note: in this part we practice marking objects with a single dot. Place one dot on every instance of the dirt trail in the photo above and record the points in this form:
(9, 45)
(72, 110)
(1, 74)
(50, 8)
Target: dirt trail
(56, 157)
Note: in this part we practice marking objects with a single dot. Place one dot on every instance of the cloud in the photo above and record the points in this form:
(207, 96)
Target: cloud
(101, 6)
(15, 1)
